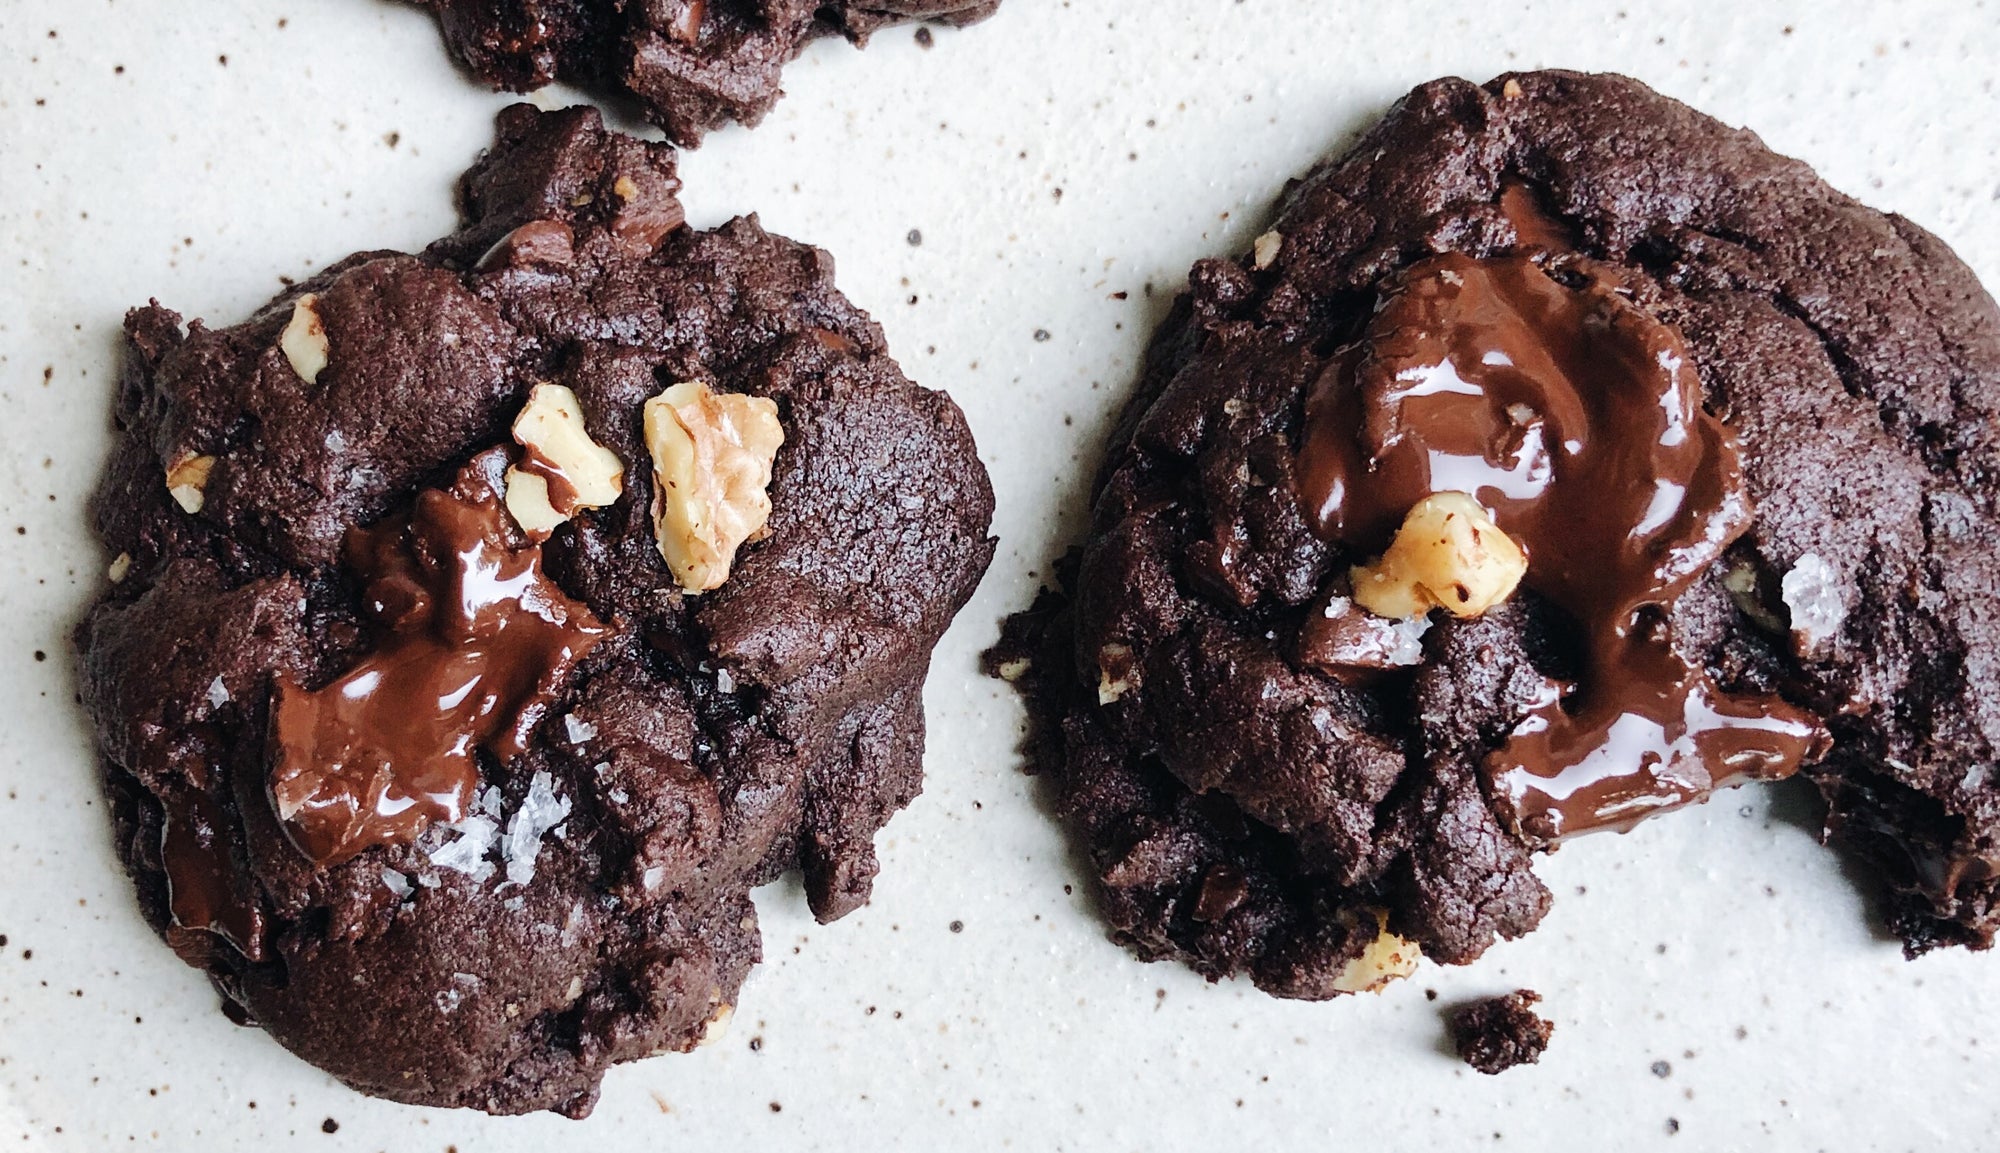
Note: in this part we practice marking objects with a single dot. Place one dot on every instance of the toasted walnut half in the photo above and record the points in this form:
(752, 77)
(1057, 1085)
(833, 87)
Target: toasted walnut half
(712, 455)
(304, 340)
(187, 480)
(1387, 958)
(1449, 554)
(563, 469)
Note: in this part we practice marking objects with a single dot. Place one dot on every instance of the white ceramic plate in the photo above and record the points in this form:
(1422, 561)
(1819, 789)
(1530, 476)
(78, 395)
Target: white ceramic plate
(1720, 976)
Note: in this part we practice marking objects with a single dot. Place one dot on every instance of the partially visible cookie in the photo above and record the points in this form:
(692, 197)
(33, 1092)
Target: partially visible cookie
(486, 623)
(693, 64)
(1558, 456)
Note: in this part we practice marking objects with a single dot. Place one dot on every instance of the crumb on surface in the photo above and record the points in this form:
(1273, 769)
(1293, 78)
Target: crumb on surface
(1498, 1033)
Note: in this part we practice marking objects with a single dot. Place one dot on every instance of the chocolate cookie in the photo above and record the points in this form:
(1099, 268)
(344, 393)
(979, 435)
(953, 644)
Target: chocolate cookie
(693, 64)
(485, 624)
(1559, 456)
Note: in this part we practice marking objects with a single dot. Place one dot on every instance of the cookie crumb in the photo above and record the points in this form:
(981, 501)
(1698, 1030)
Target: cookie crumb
(1499, 1033)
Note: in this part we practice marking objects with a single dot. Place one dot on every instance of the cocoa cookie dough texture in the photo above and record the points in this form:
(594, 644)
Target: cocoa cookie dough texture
(486, 623)
(1300, 697)
(692, 64)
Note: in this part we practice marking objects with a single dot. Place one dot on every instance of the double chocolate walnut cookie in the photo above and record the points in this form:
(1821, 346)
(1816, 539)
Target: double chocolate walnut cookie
(1559, 457)
(485, 624)
(693, 64)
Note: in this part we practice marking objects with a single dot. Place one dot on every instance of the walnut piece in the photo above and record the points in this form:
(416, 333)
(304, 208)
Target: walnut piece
(1387, 958)
(1745, 588)
(563, 469)
(1449, 554)
(187, 480)
(1265, 252)
(712, 455)
(304, 340)
(1117, 673)
(718, 1025)
(529, 504)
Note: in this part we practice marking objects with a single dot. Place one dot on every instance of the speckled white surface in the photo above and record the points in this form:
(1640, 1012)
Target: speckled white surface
(1719, 976)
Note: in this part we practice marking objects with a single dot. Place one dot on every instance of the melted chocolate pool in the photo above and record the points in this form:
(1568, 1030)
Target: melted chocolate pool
(472, 642)
(1576, 420)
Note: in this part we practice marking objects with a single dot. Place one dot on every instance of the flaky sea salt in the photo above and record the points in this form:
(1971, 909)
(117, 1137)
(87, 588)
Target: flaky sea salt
(448, 999)
(541, 810)
(1812, 592)
(397, 883)
(724, 682)
(579, 731)
(467, 854)
(1409, 646)
(218, 693)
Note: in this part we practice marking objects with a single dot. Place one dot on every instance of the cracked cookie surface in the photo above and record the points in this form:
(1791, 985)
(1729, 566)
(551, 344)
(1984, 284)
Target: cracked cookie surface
(1254, 809)
(465, 809)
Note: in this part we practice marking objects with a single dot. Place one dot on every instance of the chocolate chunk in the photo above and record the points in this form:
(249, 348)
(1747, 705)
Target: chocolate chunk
(1498, 1033)
(474, 643)
(534, 244)
(196, 851)
(465, 813)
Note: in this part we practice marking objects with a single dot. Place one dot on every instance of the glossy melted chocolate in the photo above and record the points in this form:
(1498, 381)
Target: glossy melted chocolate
(201, 886)
(472, 642)
(1576, 420)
